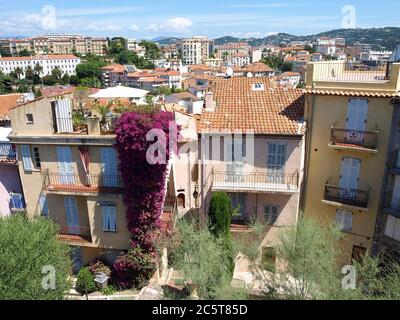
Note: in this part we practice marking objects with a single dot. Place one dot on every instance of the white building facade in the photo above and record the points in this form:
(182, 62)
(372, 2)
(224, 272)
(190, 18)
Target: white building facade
(66, 63)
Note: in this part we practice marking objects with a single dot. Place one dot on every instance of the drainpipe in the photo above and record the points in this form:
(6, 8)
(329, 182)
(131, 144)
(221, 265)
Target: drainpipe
(307, 151)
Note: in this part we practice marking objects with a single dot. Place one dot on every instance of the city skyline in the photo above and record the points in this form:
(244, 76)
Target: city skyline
(237, 18)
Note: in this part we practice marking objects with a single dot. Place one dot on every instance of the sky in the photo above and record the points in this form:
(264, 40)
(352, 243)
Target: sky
(214, 18)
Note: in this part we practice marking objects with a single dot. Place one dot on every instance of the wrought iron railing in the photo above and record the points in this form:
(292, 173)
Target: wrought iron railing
(74, 233)
(353, 197)
(82, 183)
(354, 138)
(256, 181)
(7, 152)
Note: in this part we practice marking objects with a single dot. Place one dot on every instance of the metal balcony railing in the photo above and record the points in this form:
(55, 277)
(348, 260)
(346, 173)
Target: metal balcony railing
(347, 71)
(82, 183)
(7, 152)
(353, 197)
(354, 138)
(75, 233)
(255, 181)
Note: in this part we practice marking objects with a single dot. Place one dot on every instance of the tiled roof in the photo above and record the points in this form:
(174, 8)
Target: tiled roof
(273, 110)
(7, 102)
(255, 67)
(115, 68)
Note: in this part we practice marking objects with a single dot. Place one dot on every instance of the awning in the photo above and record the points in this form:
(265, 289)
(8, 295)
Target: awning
(119, 92)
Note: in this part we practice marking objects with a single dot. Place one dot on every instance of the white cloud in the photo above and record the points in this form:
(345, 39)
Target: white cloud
(134, 27)
(261, 5)
(179, 25)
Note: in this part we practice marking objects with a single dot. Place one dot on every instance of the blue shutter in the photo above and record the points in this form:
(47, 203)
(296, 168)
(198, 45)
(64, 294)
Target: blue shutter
(26, 158)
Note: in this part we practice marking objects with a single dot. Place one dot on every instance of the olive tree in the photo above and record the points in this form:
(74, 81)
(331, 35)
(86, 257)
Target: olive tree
(34, 264)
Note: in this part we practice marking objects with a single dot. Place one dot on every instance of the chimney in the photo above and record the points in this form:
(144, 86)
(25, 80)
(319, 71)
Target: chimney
(210, 104)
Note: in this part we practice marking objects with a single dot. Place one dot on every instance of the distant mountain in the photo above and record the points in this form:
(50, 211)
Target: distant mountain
(380, 38)
(12, 37)
(166, 40)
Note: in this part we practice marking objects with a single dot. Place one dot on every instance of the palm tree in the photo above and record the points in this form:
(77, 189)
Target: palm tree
(18, 72)
(38, 69)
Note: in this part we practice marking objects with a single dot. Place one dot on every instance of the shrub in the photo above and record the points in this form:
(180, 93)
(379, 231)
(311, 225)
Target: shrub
(85, 282)
(98, 266)
(26, 246)
(133, 269)
(220, 213)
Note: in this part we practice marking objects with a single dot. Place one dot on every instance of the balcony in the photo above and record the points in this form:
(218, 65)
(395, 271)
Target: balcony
(76, 183)
(349, 197)
(354, 139)
(391, 205)
(7, 153)
(348, 71)
(255, 182)
(75, 234)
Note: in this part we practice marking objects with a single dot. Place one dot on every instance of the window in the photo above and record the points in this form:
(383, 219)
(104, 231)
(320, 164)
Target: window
(29, 118)
(17, 201)
(258, 86)
(276, 156)
(344, 219)
(270, 214)
(44, 209)
(109, 218)
(393, 228)
(239, 202)
(26, 158)
(36, 157)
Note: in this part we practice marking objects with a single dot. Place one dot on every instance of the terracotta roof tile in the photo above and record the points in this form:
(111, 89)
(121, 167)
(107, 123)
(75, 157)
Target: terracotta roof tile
(274, 110)
(7, 102)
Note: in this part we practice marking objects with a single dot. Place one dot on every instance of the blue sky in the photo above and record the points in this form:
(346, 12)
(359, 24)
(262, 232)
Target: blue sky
(149, 19)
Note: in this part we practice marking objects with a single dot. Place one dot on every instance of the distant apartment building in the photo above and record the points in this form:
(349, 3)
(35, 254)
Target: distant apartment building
(114, 75)
(252, 149)
(240, 60)
(195, 50)
(229, 50)
(57, 44)
(289, 79)
(376, 56)
(348, 113)
(66, 63)
(134, 46)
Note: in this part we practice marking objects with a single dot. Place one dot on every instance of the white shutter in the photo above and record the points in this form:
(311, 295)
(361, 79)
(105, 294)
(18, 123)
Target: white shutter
(26, 158)
(109, 218)
(64, 116)
(44, 210)
(350, 173)
(109, 167)
(357, 114)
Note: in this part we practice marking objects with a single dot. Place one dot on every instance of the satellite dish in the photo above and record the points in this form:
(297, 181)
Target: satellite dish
(249, 75)
(229, 72)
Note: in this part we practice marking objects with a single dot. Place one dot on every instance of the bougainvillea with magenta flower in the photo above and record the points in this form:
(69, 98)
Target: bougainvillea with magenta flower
(144, 182)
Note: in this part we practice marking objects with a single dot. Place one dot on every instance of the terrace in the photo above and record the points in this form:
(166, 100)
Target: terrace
(348, 75)
(78, 183)
(354, 139)
(339, 196)
(260, 181)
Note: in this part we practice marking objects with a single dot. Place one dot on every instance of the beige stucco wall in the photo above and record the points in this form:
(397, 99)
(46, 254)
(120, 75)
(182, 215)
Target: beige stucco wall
(325, 163)
(42, 117)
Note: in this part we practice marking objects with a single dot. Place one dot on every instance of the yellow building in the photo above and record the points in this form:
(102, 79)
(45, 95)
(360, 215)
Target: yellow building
(348, 112)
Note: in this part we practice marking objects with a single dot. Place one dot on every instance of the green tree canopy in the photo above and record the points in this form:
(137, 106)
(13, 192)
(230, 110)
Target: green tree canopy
(28, 250)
